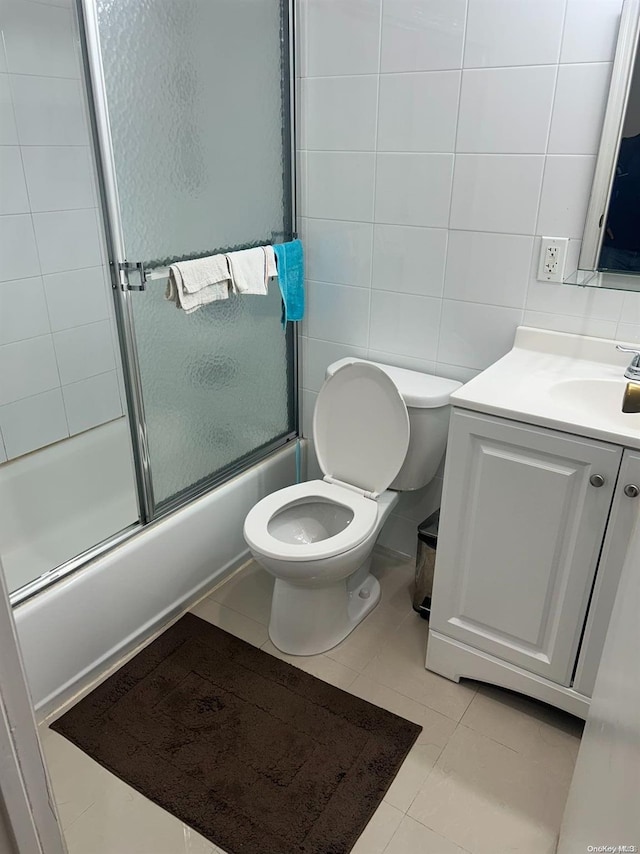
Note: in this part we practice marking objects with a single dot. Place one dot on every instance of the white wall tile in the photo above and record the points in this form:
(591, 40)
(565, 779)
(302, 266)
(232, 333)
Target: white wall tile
(422, 35)
(91, 402)
(49, 111)
(27, 367)
(8, 132)
(341, 37)
(571, 300)
(496, 117)
(3, 59)
(496, 192)
(409, 259)
(67, 240)
(13, 190)
(404, 324)
(455, 372)
(338, 252)
(59, 177)
(630, 308)
(565, 323)
(590, 30)
(319, 355)
(39, 39)
(67, 3)
(76, 297)
(408, 105)
(475, 336)
(565, 195)
(581, 99)
(488, 268)
(400, 360)
(338, 313)
(413, 189)
(23, 310)
(578, 302)
(340, 185)
(339, 113)
(513, 32)
(33, 422)
(308, 405)
(18, 248)
(628, 333)
(84, 351)
(399, 535)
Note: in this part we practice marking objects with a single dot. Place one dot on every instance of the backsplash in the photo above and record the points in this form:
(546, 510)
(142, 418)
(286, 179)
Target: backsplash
(57, 355)
(438, 140)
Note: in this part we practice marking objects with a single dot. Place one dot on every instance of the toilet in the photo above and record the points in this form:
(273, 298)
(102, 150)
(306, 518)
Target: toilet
(377, 430)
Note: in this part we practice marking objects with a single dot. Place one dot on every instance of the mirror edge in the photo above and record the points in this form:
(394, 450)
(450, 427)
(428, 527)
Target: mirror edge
(614, 117)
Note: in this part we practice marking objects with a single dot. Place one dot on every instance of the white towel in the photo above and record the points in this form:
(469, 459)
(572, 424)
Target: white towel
(251, 269)
(192, 284)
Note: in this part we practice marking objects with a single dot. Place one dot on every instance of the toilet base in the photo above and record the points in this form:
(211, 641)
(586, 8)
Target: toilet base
(311, 620)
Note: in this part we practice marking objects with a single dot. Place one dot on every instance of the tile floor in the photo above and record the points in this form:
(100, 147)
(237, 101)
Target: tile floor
(489, 773)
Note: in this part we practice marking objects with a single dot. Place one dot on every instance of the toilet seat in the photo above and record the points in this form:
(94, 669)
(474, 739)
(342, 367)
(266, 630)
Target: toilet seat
(360, 428)
(259, 538)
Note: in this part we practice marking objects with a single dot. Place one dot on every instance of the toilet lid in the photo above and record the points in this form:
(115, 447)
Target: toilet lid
(361, 427)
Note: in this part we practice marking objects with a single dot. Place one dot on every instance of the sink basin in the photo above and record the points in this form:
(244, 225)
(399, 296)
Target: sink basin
(569, 382)
(590, 396)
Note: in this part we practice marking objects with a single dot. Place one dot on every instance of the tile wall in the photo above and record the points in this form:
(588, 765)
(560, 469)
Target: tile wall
(439, 139)
(57, 354)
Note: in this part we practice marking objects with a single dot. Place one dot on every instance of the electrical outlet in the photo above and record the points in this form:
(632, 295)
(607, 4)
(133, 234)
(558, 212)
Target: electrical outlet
(553, 256)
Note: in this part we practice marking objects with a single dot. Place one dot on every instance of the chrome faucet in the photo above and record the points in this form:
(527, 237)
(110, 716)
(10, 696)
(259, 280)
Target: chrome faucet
(633, 370)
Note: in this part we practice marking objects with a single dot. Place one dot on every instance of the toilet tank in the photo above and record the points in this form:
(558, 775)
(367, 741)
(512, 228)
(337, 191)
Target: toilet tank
(427, 399)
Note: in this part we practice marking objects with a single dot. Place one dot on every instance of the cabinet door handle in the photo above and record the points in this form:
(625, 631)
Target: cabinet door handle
(631, 490)
(596, 480)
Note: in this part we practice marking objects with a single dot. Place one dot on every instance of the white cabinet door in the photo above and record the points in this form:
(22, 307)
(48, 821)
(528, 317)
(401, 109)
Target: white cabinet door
(625, 515)
(520, 534)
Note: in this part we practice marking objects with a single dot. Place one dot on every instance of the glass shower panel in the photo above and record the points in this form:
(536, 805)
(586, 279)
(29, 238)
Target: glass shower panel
(197, 95)
(216, 385)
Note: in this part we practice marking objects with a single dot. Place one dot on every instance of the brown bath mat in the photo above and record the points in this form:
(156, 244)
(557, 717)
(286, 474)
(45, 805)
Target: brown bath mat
(254, 754)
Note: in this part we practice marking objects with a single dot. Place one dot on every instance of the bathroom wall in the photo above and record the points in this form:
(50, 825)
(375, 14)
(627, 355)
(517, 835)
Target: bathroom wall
(439, 139)
(57, 355)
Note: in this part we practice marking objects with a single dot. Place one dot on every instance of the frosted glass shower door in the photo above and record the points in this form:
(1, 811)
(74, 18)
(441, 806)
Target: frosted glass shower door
(196, 94)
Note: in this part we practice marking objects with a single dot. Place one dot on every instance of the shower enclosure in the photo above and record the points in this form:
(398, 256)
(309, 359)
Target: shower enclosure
(191, 108)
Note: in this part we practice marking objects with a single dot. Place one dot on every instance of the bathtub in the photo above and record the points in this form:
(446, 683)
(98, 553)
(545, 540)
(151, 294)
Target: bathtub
(63, 499)
(77, 628)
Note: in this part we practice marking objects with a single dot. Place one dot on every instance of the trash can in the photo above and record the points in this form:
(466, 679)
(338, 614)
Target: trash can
(425, 564)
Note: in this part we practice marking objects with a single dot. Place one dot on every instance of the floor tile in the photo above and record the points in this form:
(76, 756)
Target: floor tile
(543, 734)
(412, 776)
(380, 830)
(437, 729)
(248, 592)
(507, 801)
(496, 781)
(400, 665)
(366, 641)
(412, 837)
(232, 621)
(125, 821)
(317, 665)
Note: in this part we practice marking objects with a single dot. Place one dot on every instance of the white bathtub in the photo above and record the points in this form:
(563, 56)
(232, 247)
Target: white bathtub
(65, 498)
(75, 629)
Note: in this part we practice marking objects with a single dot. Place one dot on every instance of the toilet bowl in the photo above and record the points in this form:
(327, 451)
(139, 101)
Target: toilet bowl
(371, 422)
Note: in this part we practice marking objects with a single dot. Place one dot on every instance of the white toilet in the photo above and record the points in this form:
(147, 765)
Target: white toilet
(377, 430)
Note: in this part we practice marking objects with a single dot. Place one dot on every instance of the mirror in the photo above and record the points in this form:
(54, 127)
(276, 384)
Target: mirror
(610, 255)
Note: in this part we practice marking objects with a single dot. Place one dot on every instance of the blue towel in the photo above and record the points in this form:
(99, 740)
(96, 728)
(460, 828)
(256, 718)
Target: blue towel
(290, 261)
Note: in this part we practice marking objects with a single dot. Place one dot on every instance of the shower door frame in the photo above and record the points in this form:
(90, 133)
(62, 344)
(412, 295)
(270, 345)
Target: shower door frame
(95, 90)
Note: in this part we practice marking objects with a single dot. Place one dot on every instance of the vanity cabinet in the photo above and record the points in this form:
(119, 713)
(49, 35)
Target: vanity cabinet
(533, 531)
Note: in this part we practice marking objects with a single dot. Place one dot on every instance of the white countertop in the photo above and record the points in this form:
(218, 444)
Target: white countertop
(568, 382)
